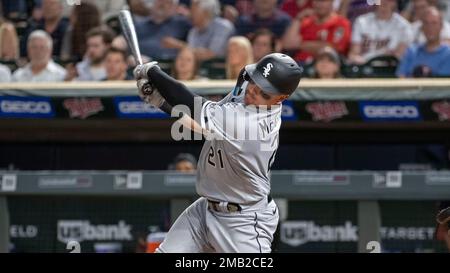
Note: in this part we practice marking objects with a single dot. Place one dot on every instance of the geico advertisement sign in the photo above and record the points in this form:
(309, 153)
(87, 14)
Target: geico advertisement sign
(83, 230)
(26, 107)
(296, 233)
(390, 111)
(134, 107)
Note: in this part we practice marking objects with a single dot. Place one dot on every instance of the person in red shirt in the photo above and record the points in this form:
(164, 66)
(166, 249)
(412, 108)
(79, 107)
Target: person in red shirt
(324, 28)
(297, 8)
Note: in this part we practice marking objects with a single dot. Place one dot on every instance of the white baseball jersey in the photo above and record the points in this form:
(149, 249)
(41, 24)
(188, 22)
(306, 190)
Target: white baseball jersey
(233, 167)
(377, 36)
(234, 164)
(419, 37)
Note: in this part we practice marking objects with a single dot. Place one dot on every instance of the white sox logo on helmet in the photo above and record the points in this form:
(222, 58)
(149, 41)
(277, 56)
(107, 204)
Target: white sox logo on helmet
(267, 69)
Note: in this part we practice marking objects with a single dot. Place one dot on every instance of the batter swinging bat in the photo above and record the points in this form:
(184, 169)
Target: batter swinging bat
(129, 32)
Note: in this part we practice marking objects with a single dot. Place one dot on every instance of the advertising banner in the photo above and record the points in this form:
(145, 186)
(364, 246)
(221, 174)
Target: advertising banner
(95, 224)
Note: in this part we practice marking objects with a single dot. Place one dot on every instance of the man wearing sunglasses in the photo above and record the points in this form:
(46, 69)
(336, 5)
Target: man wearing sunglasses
(235, 212)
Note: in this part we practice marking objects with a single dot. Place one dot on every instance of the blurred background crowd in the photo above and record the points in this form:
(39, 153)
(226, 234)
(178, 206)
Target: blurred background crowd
(66, 40)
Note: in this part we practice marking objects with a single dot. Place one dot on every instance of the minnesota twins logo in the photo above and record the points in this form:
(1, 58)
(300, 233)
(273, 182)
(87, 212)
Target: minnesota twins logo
(267, 69)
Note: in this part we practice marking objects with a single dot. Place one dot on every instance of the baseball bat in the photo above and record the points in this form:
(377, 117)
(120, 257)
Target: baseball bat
(129, 32)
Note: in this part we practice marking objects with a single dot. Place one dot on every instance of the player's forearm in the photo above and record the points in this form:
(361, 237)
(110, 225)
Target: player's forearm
(166, 108)
(174, 92)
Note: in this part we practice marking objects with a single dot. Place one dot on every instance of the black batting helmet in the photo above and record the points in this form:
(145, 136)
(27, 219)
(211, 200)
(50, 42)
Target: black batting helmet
(276, 73)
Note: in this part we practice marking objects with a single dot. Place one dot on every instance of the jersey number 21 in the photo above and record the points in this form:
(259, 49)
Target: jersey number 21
(212, 157)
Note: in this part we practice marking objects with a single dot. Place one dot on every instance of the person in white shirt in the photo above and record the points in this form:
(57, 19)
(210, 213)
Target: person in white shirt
(41, 67)
(5, 74)
(383, 32)
(98, 42)
(420, 8)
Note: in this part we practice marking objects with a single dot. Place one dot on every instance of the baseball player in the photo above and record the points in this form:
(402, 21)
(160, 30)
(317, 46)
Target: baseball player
(235, 212)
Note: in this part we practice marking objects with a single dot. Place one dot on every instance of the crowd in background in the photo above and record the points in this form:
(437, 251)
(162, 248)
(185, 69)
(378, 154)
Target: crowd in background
(59, 40)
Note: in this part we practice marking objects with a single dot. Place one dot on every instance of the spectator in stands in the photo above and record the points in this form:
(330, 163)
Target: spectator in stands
(15, 9)
(9, 42)
(119, 42)
(92, 68)
(354, 8)
(263, 42)
(414, 10)
(22, 10)
(324, 28)
(327, 64)
(266, 15)
(5, 74)
(41, 67)
(239, 55)
(232, 9)
(140, 9)
(116, 65)
(210, 33)
(430, 58)
(53, 23)
(159, 35)
(184, 162)
(84, 17)
(297, 9)
(379, 33)
(186, 66)
(420, 10)
(36, 10)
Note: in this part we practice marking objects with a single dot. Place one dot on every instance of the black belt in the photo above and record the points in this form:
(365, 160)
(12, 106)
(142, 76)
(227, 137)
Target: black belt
(231, 207)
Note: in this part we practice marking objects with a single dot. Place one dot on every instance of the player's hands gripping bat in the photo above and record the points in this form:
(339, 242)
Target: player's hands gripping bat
(145, 87)
(141, 71)
(146, 90)
(149, 94)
